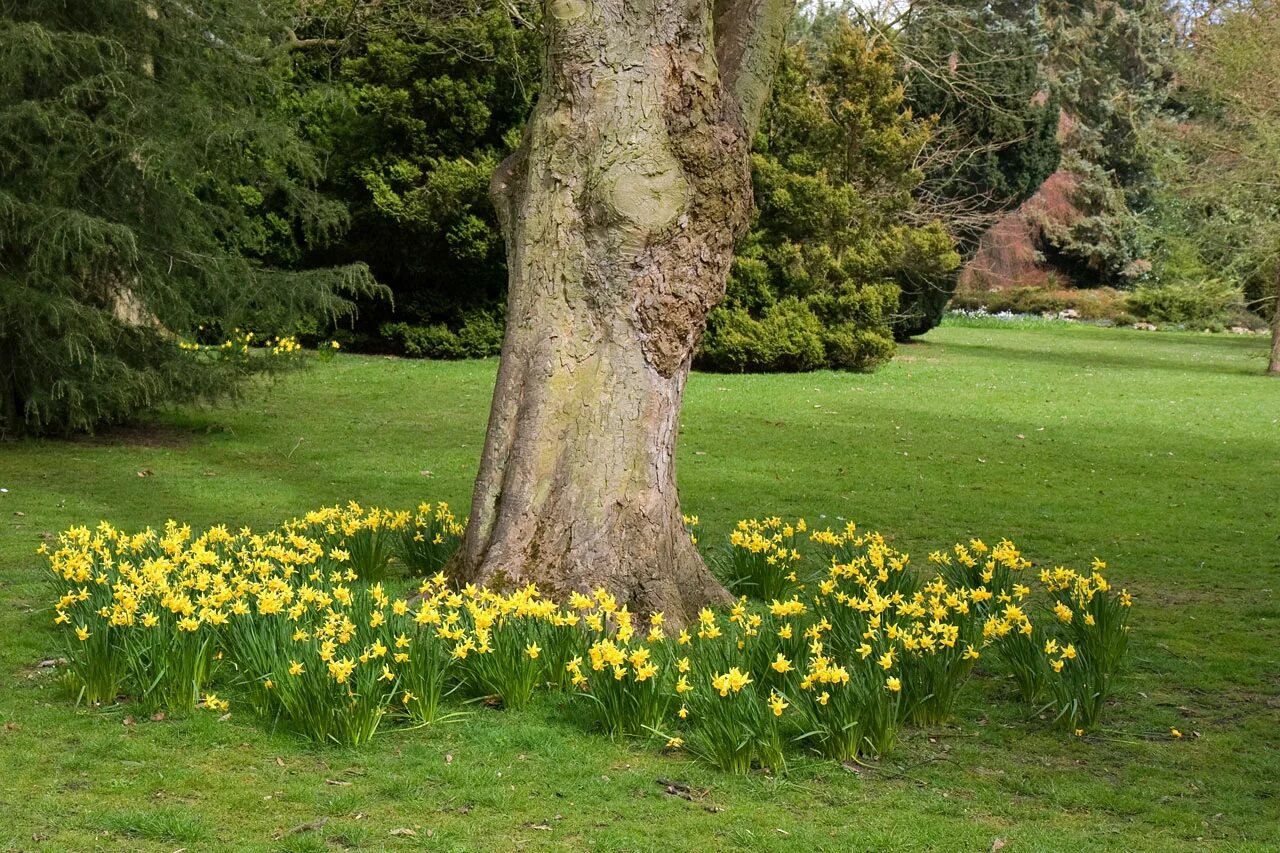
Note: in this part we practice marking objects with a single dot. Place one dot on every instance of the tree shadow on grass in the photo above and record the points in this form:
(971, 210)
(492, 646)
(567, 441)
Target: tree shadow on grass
(1154, 355)
(159, 434)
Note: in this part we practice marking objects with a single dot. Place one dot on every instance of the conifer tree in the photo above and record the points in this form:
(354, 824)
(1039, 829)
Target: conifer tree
(1110, 65)
(837, 230)
(145, 174)
(416, 105)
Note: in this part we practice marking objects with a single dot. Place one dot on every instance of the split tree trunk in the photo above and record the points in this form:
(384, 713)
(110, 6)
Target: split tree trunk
(620, 212)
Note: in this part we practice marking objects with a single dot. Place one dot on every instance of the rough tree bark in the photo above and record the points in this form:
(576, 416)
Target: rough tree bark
(1273, 367)
(620, 212)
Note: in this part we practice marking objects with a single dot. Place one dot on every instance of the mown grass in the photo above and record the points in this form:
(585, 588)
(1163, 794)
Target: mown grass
(1156, 452)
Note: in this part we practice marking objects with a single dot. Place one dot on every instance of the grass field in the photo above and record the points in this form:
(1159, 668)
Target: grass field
(1160, 453)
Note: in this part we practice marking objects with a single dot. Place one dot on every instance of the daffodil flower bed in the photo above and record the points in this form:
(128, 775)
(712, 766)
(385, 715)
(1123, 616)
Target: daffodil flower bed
(319, 626)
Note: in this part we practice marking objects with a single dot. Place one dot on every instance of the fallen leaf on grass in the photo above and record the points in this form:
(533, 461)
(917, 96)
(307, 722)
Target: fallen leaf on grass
(146, 472)
(157, 717)
(279, 761)
(545, 827)
(336, 782)
(129, 721)
(404, 830)
(998, 844)
(448, 758)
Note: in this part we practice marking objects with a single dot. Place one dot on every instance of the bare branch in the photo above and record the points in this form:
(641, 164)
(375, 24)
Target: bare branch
(292, 42)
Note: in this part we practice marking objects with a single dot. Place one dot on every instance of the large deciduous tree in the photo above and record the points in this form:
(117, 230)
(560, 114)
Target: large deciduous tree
(974, 65)
(1231, 157)
(620, 211)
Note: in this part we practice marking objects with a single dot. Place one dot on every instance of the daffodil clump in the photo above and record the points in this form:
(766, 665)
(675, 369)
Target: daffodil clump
(317, 656)
(375, 541)
(364, 538)
(1000, 602)
(761, 559)
(1072, 649)
(429, 539)
(1090, 637)
(506, 646)
(133, 607)
(241, 343)
(627, 672)
(309, 624)
(151, 614)
(730, 701)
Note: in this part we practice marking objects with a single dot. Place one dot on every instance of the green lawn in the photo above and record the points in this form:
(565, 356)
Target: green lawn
(1159, 453)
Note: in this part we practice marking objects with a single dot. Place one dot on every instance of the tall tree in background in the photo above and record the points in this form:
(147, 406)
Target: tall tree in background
(415, 103)
(620, 209)
(1110, 63)
(1231, 165)
(143, 175)
(837, 229)
(975, 65)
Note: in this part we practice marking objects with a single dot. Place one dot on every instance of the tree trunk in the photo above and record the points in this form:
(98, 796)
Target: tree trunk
(620, 210)
(1273, 368)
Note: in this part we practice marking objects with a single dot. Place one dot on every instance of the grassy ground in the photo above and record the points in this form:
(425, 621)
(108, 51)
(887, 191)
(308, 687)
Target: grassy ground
(1157, 452)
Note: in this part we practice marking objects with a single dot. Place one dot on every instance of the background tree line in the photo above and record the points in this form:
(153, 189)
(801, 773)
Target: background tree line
(174, 170)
